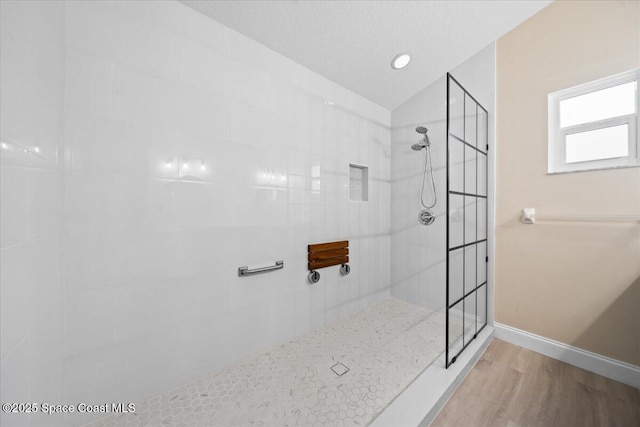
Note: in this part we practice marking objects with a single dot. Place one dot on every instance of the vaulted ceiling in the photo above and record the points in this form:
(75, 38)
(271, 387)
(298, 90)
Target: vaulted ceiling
(353, 42)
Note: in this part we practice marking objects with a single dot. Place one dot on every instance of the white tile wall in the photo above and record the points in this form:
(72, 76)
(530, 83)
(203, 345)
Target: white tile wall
(31, 120)
(131, 245)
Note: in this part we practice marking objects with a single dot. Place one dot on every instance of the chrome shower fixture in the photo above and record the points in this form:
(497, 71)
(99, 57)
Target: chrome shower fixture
(424, 142)
(426, 217)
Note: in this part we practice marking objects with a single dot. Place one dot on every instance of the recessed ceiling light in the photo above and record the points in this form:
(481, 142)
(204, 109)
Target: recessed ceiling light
(401, 60)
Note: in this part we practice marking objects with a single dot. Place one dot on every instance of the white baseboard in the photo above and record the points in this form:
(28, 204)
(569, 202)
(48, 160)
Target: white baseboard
(601, 365)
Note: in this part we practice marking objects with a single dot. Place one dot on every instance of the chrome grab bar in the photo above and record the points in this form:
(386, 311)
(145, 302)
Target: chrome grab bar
(559, 217)
(244, 271)
(529, 216)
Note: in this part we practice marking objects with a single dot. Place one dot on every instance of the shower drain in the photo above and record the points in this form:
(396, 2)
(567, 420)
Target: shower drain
(339, 369)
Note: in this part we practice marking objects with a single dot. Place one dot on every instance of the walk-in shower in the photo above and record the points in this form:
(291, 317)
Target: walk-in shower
(350, 370)
(426, 216)
(133, 187)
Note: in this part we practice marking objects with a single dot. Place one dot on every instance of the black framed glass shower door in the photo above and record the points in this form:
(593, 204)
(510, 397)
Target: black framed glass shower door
(467, 219)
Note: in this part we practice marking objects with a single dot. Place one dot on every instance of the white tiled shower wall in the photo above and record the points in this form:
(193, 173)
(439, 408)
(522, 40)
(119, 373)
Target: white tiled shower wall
(31, 111)
(418, 252)
(163, 152)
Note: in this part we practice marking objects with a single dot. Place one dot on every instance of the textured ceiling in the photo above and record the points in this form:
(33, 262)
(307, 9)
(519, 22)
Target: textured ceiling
(353, 42)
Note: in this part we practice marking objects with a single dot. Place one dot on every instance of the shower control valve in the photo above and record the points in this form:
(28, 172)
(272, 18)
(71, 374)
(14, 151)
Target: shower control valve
(426, 217)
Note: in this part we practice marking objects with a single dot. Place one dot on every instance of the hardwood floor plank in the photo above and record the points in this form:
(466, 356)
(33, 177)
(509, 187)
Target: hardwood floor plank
(515, 387)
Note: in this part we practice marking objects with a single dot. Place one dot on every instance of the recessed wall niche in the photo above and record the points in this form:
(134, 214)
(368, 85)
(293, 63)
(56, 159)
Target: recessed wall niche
(358, 183)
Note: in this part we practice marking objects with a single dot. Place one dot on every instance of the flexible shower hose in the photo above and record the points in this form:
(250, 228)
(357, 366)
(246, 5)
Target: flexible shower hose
(427, 158)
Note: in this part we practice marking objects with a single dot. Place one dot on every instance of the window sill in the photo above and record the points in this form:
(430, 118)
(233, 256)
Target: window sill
(593, 169)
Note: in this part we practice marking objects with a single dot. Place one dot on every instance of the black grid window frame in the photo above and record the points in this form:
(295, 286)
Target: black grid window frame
(450, 355)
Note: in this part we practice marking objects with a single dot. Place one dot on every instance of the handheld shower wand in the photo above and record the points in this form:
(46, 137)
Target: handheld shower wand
(426, 217)
(424, 142)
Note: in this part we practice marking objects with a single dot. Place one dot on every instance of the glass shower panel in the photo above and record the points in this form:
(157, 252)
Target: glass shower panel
(470, 129)
(470, 180)
(482, 218)
(467, 223)
(456, 276)
(456, 110)
(456, 221)
(456, 330)
(456, 166)
(469, 219)
(482, 306)
(482, 130)
(482, 174)
(482, 263)
(469, 268)
(470, 320)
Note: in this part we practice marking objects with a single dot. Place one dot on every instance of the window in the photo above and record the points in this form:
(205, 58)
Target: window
(595, 125)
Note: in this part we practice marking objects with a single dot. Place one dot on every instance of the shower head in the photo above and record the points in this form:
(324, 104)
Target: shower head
(424, 142)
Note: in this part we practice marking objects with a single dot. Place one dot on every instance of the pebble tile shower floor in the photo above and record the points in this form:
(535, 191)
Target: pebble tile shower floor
(343, 374)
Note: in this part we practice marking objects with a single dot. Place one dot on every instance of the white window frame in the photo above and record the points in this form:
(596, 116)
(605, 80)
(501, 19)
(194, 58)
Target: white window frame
(557, 136)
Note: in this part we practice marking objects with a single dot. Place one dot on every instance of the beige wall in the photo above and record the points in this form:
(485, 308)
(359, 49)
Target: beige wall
(578, 283)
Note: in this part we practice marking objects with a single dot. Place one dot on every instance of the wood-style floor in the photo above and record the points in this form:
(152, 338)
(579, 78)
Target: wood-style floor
(514, 387)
